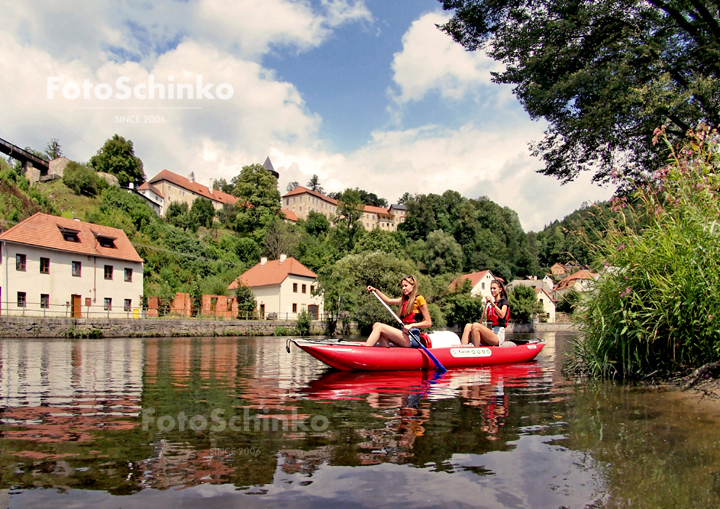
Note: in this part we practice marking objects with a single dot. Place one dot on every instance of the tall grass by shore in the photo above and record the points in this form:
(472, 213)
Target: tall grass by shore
(656, 309)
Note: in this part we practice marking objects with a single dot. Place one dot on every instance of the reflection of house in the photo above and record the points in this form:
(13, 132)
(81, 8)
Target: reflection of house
(580, 281)
(283, 286)
(479, 282)
(63, 266)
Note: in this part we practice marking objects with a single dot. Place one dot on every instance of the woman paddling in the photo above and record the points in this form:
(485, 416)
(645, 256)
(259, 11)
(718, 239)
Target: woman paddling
(413, 312)
(498, 312)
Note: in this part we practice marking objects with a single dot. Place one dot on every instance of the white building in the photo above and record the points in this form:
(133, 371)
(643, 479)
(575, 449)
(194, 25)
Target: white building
(479, 283)
(53, 266)
(283, 287)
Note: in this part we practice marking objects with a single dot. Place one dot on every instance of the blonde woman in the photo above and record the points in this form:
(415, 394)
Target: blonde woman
(498, 312)
(413, 313)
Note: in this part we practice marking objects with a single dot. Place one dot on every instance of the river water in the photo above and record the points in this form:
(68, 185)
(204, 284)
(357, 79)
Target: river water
(228, 422)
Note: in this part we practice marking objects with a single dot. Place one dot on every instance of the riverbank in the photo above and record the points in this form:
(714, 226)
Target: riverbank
(38, 327)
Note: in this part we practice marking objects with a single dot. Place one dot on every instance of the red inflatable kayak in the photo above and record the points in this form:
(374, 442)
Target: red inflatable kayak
(348, 356)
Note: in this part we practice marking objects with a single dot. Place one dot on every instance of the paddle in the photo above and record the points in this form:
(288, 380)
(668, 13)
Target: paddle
(440, 367)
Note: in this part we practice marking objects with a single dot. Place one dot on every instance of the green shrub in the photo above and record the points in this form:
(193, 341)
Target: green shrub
(281, 331)
(657, 307)
(304, 320)
(523, 304)
(80, 179)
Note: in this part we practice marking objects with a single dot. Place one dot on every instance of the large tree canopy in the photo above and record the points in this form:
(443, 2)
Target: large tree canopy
(603, 73)
(117, 157)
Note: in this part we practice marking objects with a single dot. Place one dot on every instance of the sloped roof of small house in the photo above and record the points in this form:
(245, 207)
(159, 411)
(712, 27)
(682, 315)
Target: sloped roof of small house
(474, 278)
(194, 187)
(47, 231)
(273, 272)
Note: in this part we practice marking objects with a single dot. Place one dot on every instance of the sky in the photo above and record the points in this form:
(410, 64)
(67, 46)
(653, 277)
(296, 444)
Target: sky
(363, 93)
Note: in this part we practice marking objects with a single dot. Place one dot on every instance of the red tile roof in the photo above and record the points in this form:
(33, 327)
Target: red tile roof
(375, 210)
(303, 190)
(150, 187)
(44, 231)
(194, 187)
(581, 274)
(289, 215)
(474, 279)
(273, 273)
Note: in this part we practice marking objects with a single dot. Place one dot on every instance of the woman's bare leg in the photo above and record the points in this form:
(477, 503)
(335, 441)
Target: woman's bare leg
(465, 339)
(482, 335)
(383, 334)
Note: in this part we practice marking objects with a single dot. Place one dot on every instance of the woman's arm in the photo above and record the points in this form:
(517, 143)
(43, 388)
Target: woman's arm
(387, 300)
(501, 312)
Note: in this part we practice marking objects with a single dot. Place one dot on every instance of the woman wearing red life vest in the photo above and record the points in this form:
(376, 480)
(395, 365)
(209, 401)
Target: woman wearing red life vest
(498, 312)
(413, 312)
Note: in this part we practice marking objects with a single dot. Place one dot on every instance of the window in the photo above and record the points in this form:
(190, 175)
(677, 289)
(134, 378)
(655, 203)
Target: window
(108, 271)
(128, 304)
(76, 269)
(106, 242)
(312, 288)
(294, 287)
(483, 286)
(22, 301)
(294, 307)
(44, 300)
(128, 275)
(108, 304)
(20, 262)
(304, 288)
(69, 235)
(44, 265)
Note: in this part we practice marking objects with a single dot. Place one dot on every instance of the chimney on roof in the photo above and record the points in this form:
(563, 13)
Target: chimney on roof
(263, 261)
(191, 177)
(282, 258)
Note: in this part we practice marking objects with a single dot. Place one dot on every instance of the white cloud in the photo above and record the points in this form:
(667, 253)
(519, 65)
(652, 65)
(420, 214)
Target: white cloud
(431, 61)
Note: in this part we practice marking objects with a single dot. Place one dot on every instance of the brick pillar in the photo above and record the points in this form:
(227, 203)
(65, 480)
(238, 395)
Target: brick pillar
(152, 309)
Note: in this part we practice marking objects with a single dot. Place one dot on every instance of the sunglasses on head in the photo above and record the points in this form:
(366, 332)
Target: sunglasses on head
(409, 277)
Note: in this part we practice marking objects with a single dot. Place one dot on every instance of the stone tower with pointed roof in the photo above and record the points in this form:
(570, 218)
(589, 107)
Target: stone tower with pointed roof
(269, 167)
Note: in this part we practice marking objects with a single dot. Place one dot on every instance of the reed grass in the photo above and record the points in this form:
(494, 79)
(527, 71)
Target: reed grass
(656, 308)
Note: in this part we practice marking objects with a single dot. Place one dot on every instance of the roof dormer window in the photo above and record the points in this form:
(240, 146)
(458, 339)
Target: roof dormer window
(69, 235)
(105, 240)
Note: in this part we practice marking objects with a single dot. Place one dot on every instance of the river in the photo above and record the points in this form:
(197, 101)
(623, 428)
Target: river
(227, 422)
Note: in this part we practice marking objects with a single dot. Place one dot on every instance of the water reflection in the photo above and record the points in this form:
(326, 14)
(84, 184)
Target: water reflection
(92, 419)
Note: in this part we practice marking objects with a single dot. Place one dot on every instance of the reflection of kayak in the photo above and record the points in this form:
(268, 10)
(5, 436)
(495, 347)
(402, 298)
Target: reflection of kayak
(343, 385)
(358, 357)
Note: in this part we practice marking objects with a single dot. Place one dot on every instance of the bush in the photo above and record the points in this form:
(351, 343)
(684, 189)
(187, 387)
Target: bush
(523, 304)
(304, 320)
(281, 331)
(657, 308)
(80, 179)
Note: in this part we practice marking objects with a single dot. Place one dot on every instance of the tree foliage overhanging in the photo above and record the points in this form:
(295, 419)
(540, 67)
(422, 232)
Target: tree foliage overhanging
(604, 73)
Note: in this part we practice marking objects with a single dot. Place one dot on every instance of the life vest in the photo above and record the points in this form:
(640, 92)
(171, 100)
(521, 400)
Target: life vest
(493, 317)
(408, 316)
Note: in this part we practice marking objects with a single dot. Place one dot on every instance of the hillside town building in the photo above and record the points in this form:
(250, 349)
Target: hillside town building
(54, 266)
(282, 288)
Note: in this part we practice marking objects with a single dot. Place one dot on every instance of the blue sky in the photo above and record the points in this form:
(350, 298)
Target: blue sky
(364, 93)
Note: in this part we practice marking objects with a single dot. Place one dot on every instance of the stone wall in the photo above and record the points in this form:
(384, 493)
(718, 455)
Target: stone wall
(38, 327)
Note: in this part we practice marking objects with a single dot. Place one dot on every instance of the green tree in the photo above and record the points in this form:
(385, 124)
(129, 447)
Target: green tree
(53, 149)
(80, 179)
(316, 224)
(258, 199)
(304, 321)
(117, 157)
(523, 304)
(378, 240)
(442, 253)
(202, 212)
(177, 214)
(246, 300)
(314, 184)
(603, 74)
(292, 185)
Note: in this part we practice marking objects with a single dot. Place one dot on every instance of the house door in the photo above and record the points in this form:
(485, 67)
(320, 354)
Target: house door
(262, 311)
(313, 310)
(75, 309)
